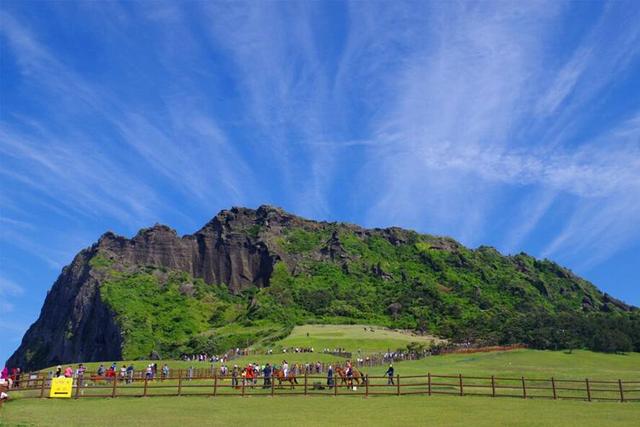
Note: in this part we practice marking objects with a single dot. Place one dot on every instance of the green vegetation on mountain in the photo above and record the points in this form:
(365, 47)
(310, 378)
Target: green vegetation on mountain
(337, 274)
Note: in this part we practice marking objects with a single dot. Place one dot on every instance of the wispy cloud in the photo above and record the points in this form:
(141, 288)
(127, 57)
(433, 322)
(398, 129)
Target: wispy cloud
(8, 292)
(453, 118)
(448, 143)
(108, 173)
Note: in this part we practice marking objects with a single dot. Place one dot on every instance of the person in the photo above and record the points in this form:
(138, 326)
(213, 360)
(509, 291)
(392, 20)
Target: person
(3, 393)
(100, 372)
(58, 371)
(80, 374)
(130, 373)
(165, 371)
(17, 379)
(234, 376)
(330, 376)
(190, 373)
(389, 374)
(68, 372)
(267, 375)
(111, 372)
(256, 373)
(5, 374)
(249, 374)
(148, 372)
(285, 368)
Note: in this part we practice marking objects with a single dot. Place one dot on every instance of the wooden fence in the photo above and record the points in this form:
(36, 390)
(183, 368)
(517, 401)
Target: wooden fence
(315, 385)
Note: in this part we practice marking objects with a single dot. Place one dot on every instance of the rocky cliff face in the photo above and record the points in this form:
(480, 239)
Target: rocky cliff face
(75, 324)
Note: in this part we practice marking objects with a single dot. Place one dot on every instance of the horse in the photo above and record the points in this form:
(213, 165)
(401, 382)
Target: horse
(279, 375)
(356, 376)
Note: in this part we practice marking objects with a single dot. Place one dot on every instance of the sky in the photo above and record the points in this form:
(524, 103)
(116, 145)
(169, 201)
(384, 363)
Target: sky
(510, 124)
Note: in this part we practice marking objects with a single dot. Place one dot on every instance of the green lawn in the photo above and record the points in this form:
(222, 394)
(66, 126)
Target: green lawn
(327, 411)
(352, 338)
(579, 364)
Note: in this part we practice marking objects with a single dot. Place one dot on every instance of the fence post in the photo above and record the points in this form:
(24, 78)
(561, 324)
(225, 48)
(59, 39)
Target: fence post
(215, 383)
(244, 380)
(42, 387)
(335, 385)
(461, 389)
(429, 383)
(524, 389)
(180, 382)
(553, 386)
(586, 380)
(144, 393)
(398, 378)
(77, 388)
(621, 391)
(305, 382)
(366, 385)
(115, 384)
(493, 386)
(273, 384)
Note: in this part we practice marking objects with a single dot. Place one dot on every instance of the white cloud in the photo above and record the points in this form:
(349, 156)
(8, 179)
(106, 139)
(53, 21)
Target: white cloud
(9, 290)
(426, 115)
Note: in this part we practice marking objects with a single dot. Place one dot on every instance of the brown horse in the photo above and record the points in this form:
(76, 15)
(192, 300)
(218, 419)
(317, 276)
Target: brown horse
(279, 375)
(356, 376)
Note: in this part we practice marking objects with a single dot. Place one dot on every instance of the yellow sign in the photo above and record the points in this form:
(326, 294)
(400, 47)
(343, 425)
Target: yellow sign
(61, 387)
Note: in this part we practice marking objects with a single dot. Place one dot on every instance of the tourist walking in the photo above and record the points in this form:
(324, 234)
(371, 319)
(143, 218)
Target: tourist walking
(234, 376)
(389, 374)
(165, 372)
(267, 376)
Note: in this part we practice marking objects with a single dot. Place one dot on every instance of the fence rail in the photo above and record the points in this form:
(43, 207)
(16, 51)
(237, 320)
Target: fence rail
(316, 385)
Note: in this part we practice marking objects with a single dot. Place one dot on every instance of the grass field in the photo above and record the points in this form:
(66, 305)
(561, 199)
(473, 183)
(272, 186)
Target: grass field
(579, 364)
(356, 410)
(379, 411)
(352, 338)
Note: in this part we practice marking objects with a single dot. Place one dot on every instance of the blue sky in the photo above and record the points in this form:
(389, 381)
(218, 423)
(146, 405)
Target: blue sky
(512, 124)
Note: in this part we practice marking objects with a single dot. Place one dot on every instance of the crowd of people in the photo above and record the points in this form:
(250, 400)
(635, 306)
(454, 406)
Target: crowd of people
(11, 377)
(240, 376)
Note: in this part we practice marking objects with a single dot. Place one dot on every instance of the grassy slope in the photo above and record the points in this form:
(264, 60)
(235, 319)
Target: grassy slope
(351, 337)
(405, 410)
(530, 363)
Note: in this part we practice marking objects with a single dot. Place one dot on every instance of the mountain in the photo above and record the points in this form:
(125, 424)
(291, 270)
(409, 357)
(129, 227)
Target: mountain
(249, 275)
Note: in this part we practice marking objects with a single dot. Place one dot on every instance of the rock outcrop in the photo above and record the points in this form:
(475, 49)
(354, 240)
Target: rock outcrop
(235, 248)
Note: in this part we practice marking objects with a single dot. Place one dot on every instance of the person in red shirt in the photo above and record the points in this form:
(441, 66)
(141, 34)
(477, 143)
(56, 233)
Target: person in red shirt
(249, 375)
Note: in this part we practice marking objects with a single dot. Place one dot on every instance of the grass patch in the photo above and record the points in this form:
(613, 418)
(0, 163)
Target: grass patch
(352, 338)
(325, 411)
